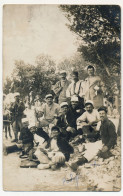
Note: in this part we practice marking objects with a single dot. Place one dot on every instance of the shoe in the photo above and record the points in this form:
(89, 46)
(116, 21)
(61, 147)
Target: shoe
(23, 156)
(72, 165)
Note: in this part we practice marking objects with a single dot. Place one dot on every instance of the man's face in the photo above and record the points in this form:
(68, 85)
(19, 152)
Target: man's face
(74, 104)
(49, 100)
(25, 124)
(89, 108)
(63, 76)
(17, 98)
(65, 109)
(75, 77)
(90, 71)
(33, 130)
(103, 115)
(54, 133)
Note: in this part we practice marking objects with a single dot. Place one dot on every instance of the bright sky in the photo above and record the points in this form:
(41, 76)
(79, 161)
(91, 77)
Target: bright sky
(31, 30)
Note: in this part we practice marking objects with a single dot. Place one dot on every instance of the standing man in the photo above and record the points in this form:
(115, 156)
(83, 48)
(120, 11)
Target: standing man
(16, 110)
(61, 87)
(93, 88)
(76, 88)
(48, 111)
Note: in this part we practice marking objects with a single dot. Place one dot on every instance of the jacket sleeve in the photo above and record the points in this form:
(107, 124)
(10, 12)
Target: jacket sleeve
(112, 135)
(57, 88)
(68, 94)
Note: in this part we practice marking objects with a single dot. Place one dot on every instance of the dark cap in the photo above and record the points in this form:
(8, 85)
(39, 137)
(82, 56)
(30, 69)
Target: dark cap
(90, 67)
(103, 108)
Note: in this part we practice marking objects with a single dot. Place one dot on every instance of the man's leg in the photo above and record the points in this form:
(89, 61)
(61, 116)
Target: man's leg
(15, 130)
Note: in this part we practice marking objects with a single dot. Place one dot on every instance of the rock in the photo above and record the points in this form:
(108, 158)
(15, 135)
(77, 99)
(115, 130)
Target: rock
(70, 176)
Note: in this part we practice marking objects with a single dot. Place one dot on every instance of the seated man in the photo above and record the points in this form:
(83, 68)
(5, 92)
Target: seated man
(100, 148)
(74, 111)
(27, 138)
(88, 120)
(48, 110)
(55, 153)
(40, 139)
(66, 122)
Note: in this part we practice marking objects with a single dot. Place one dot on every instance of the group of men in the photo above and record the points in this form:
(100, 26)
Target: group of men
(78, 118)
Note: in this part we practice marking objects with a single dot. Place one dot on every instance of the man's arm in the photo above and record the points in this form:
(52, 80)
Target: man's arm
(57, 88)
(68, 94)
(112, 135)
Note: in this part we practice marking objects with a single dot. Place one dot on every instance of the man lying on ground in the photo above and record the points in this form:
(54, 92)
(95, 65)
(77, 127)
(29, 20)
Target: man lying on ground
(100, 148)
(57, 150)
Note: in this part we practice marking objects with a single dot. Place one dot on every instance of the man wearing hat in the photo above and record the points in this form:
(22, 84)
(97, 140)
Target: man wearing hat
(89, 119)
(48, 110)
(66, 122)
(16, 110)
(93, 88)
(76, 88)
(61, 87)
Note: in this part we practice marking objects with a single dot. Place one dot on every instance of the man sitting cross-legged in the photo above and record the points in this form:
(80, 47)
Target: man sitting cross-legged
(87, 122)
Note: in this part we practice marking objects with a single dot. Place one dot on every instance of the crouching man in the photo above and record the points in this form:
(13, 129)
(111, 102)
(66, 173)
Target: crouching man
(55, 153)
(102, 147)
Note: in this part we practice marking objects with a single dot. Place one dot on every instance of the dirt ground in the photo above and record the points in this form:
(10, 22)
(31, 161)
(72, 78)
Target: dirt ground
(97, 175)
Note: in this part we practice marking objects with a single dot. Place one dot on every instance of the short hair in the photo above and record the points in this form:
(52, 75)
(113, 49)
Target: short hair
(103, 108)
(90, 67)
(55, 128)
(75, 73)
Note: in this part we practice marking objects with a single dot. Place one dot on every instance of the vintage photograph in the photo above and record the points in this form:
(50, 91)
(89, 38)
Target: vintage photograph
(61, 97)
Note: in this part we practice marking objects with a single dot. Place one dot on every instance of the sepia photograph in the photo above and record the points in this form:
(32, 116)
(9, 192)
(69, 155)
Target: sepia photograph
(61, 99)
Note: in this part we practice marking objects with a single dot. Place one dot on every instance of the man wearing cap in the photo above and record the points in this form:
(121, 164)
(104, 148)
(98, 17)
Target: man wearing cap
(16, 110)
(89, 119)
(61, 87)
(66, 121)
(48, 110)
(76, 88)
(93, 88)
(27, 138)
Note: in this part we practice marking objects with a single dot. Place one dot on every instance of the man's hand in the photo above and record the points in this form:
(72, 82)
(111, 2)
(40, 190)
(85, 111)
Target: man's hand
(104, 149)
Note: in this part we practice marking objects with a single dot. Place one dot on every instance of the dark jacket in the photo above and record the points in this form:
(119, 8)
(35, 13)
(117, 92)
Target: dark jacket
(71, 118)
(26, 136)
(108, 133)
(42, 134)
(63, 146)
(16, 110)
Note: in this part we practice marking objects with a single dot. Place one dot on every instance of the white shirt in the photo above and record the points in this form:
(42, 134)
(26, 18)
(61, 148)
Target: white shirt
(89, 117)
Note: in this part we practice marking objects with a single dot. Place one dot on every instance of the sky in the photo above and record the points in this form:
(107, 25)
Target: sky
(30, 30)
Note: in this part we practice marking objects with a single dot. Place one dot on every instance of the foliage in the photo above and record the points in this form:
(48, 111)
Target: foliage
(32, 80)
(98, 26)
(75, 62)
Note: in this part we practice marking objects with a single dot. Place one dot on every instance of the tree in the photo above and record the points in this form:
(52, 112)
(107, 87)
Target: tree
(31, 80)
(75, 62)
(98, 26)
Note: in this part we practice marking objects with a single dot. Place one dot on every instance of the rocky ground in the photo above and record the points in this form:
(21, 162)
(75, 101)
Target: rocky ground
(98, 175)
